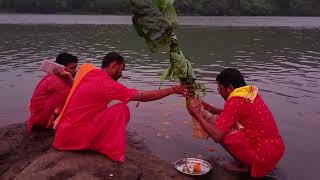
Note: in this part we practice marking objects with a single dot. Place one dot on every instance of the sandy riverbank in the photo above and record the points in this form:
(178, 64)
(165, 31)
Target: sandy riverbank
(25, 156)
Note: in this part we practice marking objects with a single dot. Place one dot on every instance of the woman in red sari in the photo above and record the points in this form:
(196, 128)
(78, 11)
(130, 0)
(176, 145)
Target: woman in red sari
(245, 127)
(51, 92)
(89, 122)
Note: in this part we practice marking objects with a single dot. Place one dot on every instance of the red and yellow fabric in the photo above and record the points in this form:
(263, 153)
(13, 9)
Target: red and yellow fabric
(87, 122)
(84, 70)
(258, 143)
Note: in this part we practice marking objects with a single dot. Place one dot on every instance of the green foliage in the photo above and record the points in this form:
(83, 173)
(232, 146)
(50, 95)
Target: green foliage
(111, 6)
(25, 5)
(215, 7)
(258, 7)
(50, 5)
(303, 7)
(77, 4)
(152, 24)
(155, 21)
(167, 9)
(183, 7)
(7, 4)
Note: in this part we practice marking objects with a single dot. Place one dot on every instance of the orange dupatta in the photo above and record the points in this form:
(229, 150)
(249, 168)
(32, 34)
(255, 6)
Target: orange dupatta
(83, 71)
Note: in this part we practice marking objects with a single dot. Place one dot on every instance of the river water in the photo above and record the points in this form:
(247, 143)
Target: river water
(282, 59)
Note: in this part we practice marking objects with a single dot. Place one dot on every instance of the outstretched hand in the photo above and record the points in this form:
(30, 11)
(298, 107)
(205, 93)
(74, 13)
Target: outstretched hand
(186, 91)
(195, 107)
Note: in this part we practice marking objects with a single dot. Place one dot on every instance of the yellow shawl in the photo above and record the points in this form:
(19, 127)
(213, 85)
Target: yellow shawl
(247, 92)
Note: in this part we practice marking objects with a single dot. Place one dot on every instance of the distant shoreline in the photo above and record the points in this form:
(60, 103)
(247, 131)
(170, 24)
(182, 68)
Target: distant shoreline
(128, 14)
(218, 21)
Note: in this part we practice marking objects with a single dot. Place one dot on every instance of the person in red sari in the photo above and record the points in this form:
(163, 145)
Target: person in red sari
(245, 127)
(51, 93)
(89, 122)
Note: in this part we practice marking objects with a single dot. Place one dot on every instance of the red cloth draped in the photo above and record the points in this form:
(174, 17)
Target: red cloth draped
(87, 122)
(50, 93)
(259, 145)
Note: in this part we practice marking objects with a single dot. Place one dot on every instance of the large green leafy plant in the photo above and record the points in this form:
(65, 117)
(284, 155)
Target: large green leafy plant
(155, 21)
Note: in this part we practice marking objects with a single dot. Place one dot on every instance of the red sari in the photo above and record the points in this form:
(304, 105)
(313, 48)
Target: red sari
(87, 122)
(258, 144)
(50, 93)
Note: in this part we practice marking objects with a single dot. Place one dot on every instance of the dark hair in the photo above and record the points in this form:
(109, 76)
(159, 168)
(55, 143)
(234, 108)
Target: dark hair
(232, 77)
(110, 58)
(66, 58)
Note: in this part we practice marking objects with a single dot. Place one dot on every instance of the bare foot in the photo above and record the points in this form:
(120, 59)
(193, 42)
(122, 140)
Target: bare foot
(236, 166)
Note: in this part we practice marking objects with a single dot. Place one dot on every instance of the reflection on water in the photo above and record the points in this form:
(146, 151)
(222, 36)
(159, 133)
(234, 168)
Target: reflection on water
(284, 63)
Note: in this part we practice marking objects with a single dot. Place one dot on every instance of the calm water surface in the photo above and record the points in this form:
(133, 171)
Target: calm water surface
(283, 62)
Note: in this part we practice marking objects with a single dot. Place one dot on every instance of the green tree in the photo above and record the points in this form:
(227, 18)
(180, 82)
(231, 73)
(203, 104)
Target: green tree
(183, 7)
(50, 6)
(258, 7)
(283, 7)
(2, 4)
(111, 6)
(25, 5)
(7, 4)
(216, 7)
(78, 4)
(302, 7)
(188, 7)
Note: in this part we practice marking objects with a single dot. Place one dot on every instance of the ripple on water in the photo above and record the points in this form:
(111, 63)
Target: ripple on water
(281, 61)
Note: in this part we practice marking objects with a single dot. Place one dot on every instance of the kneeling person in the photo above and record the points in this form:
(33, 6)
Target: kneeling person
(87, 122)
(245, 127)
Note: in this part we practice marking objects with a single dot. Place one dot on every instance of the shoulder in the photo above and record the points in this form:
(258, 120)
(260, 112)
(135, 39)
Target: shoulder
(235, 100)
(97, 72)
(54, 81)
(50, 78)
(101, 77)
(235, 103)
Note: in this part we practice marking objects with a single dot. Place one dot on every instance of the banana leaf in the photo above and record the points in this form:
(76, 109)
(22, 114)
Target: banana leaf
(155, 21)
(151, 23)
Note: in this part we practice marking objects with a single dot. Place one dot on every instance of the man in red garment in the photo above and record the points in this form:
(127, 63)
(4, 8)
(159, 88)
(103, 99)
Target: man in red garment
(245, 127)
(87, 122)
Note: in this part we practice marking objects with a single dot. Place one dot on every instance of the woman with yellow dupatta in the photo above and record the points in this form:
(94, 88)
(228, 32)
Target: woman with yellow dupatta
(88, 122)
(245, 127)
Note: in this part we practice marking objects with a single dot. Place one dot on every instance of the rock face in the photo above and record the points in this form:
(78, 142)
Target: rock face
(18, 148)
(25, 156)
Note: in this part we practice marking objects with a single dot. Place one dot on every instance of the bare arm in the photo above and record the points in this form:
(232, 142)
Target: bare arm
(215, 133)
(211, 109)
(195, 110)
(146, 96)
